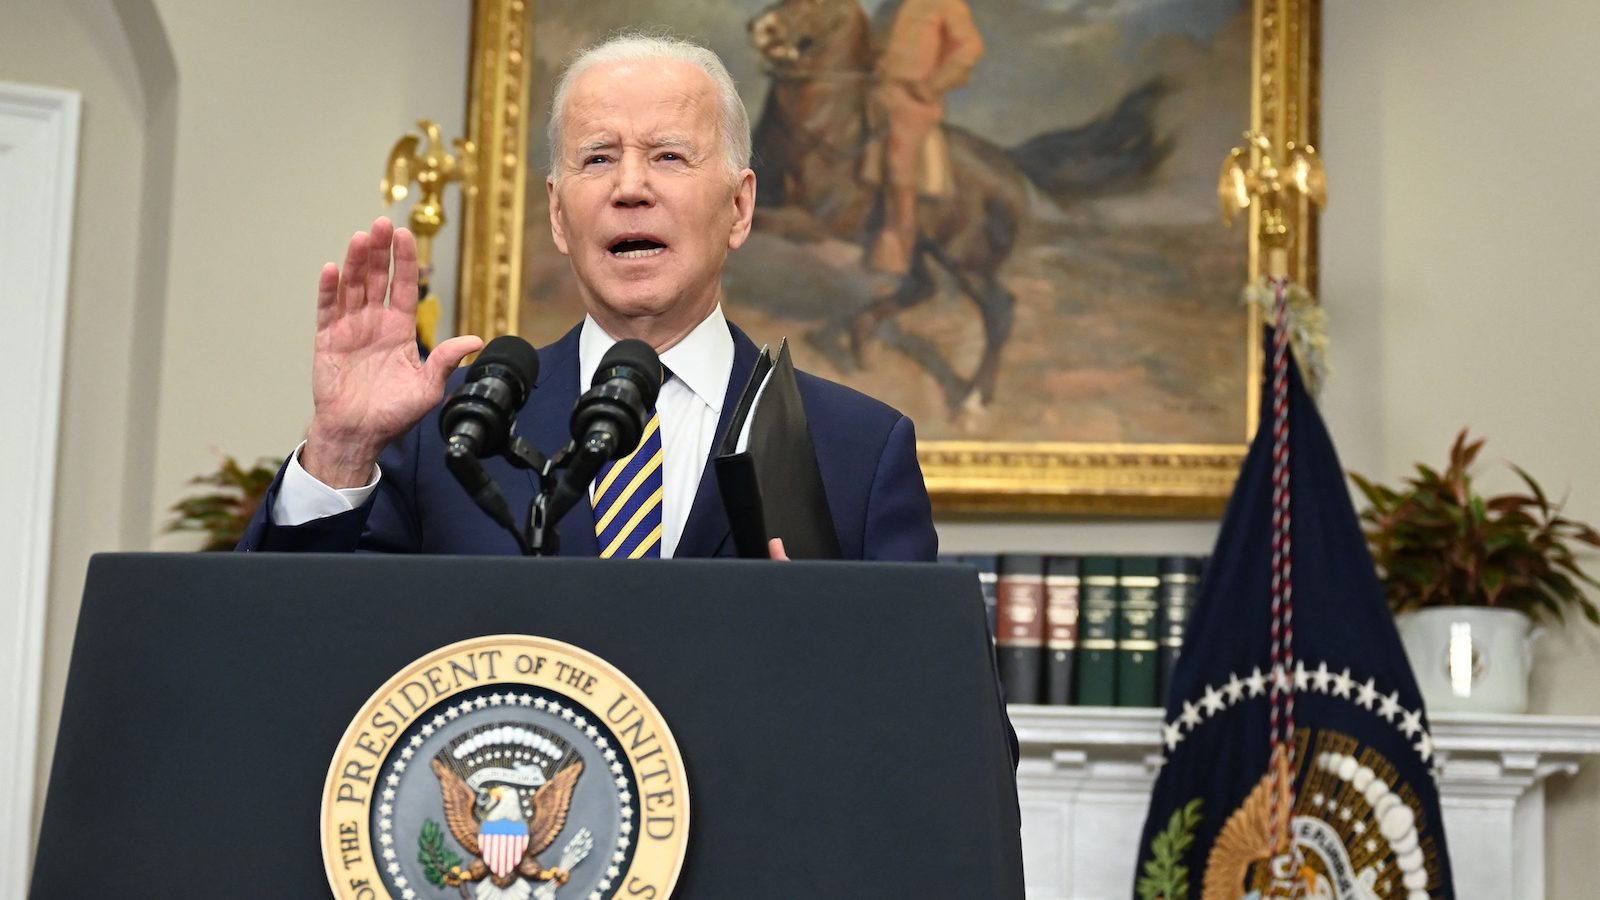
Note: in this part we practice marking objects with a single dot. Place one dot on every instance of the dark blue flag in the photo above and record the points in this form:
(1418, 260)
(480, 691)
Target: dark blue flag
(1365, 818)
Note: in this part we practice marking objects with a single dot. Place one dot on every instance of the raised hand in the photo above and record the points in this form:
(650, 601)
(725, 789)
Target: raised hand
(368, 383)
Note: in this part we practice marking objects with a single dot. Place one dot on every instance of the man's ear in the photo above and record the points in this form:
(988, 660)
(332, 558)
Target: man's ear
(744, 209)
(553, 195)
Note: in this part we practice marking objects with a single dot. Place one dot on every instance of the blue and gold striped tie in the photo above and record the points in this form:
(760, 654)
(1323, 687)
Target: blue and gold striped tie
(627, 500)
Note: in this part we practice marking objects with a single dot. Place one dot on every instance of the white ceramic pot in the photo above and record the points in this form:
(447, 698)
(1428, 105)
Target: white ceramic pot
(1470, 658)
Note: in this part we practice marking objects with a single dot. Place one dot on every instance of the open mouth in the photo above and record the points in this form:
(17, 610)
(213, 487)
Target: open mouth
(637, 248)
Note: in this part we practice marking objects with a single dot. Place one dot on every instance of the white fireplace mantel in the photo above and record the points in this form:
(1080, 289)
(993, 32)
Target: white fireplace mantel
(1086, 774)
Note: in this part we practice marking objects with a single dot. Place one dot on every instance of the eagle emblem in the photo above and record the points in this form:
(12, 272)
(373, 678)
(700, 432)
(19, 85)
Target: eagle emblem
(504, 811)
(1353, 833)
(482, 772)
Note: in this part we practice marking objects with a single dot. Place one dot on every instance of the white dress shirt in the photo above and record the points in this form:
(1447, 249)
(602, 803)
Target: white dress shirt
(690, 405)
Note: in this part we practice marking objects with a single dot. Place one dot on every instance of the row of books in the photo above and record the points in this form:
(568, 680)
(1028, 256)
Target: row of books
(1086, 630)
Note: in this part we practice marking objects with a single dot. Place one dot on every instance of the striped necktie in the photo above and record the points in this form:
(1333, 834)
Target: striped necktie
(627, 500)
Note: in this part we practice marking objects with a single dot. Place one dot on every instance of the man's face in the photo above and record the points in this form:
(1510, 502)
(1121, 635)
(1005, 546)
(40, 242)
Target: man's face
(646, 208)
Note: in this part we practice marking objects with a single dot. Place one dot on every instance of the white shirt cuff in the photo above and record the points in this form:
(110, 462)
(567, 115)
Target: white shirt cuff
(302, 498)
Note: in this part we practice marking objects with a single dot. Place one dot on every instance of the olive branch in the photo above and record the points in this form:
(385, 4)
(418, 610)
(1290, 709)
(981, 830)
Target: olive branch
(436, 858)
(1166, 877)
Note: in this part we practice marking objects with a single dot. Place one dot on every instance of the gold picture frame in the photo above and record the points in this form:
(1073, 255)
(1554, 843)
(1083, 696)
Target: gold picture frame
(963, 476)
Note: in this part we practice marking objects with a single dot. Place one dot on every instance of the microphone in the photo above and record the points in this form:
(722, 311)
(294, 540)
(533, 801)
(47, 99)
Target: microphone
(477, 418)
(609, 418)
(476, 421)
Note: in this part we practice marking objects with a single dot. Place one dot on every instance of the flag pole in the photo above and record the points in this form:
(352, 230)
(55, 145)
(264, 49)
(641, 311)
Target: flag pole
(1252, 178)
(1340, 792)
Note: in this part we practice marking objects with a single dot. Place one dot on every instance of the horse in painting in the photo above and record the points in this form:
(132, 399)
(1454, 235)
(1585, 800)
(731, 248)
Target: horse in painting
(813, 132)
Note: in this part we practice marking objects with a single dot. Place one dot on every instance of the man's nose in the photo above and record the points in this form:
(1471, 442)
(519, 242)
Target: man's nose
(632, 187)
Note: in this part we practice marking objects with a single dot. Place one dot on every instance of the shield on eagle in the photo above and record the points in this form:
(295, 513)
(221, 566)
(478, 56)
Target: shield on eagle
(502, 842)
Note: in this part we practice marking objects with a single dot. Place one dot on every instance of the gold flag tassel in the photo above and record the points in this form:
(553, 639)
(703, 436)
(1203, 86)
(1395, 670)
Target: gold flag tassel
(1308, 323)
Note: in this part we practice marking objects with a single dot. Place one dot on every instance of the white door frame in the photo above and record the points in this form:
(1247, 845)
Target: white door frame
(38, 173)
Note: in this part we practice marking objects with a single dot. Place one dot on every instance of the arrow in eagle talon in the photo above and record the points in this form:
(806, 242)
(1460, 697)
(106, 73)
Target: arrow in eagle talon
(576, 850)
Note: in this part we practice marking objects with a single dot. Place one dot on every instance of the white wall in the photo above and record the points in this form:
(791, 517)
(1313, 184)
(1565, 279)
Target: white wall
(228, 150)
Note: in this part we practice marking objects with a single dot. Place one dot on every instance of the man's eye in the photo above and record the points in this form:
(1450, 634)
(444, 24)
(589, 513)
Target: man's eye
(596, 159)
(670, 157)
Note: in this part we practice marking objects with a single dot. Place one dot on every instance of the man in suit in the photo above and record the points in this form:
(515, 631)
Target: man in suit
(649, 191)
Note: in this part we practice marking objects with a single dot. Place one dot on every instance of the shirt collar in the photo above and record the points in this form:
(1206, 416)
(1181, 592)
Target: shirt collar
(703, 360)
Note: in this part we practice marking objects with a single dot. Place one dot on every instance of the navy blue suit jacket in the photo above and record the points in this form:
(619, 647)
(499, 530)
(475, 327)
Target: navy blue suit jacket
(865, 449)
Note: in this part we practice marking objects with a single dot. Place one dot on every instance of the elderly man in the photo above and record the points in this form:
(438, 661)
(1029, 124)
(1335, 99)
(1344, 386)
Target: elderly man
(649, 191)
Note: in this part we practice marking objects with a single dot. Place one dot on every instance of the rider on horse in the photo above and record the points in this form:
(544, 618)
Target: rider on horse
(931, 49)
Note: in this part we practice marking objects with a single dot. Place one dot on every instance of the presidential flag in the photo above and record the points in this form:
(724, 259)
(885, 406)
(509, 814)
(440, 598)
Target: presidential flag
(1297, 759)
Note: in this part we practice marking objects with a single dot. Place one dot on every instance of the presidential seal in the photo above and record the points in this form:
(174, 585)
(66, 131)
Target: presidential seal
(505, 768)
(1356, 828)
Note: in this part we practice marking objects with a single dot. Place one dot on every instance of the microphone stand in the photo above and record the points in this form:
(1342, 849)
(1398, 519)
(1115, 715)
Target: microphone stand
(556, 495)
(538, 537)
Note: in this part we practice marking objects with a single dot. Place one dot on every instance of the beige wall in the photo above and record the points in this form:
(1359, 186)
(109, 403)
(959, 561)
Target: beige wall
(286, 115)
(81, 46)
(1463, 274)
(229, 150)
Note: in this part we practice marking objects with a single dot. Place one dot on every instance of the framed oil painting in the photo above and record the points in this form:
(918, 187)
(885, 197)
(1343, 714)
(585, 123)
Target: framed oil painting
(1067, 333)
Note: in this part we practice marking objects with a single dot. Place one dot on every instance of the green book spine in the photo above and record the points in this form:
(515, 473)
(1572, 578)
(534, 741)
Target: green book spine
(1180, 582)
(1138, 668)
(1097, 632)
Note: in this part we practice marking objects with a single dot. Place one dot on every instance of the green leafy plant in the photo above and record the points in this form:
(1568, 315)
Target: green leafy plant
(1438, 542)
(224, 514)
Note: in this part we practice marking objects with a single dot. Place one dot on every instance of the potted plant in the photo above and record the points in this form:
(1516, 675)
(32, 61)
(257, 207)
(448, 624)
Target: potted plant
(223, 515)
(1469, 576)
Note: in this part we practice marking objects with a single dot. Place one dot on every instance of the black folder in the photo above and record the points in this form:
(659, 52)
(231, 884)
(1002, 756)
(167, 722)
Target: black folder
(772, 488)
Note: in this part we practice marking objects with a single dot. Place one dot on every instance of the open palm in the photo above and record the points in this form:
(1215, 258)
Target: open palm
(368, 383)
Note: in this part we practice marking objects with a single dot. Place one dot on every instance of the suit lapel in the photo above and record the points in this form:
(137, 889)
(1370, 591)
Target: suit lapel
(707, 531)
(546, 422)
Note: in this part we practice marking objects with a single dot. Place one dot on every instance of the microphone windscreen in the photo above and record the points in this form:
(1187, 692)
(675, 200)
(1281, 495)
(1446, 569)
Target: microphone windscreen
(640, 362)
(513, 353)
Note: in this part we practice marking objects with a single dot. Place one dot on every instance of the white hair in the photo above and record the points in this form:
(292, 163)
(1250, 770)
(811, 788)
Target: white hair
(733, 123)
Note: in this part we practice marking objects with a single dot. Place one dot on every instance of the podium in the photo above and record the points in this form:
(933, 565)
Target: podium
(839, 723)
